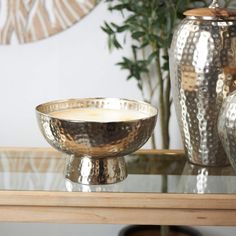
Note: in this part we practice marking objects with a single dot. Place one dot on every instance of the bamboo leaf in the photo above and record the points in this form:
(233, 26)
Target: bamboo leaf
(107, 28)
(137, 35)
(165, 57)
(119, 7)
(165, 66)
(116, 43)
(123, 28)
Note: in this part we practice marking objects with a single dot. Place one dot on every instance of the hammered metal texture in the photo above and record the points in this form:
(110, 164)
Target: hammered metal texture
(227, 127)
(113, 168)
(202, 65)
(93, 143)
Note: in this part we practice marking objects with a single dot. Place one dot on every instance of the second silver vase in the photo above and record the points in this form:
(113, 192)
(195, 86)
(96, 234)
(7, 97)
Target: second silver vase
(202, 65)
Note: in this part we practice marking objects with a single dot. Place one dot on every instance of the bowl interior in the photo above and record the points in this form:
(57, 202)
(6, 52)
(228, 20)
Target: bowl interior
(102, 103)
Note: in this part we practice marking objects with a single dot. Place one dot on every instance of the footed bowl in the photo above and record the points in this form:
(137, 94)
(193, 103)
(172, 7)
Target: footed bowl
(96, 133)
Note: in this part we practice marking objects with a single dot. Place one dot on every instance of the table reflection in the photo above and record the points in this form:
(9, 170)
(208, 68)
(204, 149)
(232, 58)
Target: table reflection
(133, 183)
(158, 172)
(76, 187)
(200, 179)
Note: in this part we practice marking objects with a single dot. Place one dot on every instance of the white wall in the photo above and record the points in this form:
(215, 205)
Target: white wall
(75, 63)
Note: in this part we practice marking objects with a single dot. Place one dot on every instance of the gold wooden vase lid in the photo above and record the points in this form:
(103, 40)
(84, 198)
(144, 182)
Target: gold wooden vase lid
(214, 11)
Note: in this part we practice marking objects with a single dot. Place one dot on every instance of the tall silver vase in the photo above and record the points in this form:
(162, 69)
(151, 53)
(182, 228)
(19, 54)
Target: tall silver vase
(203, 69)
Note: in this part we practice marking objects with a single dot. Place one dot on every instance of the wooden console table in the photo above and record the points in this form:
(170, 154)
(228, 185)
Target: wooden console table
(162, 188)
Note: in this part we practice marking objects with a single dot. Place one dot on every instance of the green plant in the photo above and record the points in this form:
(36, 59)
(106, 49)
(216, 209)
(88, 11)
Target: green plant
(149, 24)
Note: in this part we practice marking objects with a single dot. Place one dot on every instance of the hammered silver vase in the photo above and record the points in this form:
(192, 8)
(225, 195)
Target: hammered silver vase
(227, 127)
(203, 69)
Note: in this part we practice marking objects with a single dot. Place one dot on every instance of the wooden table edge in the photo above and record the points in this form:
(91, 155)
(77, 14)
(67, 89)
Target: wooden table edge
(117, 208)
(119, 200)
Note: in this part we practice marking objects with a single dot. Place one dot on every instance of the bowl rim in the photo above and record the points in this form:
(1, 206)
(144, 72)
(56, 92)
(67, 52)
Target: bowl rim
(37, 108)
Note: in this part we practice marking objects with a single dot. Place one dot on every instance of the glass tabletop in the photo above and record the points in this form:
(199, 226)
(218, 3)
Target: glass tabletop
(149, 171)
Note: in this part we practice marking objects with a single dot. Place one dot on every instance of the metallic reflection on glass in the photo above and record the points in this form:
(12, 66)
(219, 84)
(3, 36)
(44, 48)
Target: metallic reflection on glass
(199, 179)
(133, 183)
(202, 180)
(75, 187)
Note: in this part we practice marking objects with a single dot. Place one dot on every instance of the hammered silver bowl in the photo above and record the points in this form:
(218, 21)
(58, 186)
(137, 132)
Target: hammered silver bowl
(96, 150)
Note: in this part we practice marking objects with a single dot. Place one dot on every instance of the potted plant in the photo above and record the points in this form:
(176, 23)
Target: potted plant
(147, 27)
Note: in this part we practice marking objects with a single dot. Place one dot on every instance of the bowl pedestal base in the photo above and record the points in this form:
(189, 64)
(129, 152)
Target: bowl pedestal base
(95, 170)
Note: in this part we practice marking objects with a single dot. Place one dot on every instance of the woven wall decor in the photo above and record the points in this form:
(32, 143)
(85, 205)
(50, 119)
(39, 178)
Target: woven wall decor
(27, 21)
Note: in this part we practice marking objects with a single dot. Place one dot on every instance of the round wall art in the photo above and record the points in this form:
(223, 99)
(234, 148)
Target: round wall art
(27, 21)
